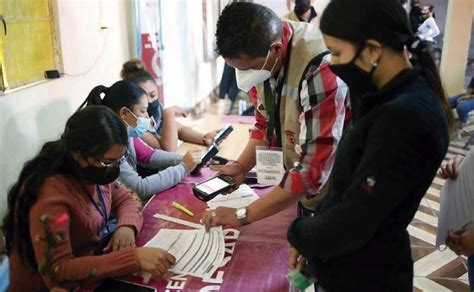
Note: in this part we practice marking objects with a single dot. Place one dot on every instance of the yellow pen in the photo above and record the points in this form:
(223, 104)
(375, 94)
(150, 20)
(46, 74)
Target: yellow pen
(182, 208)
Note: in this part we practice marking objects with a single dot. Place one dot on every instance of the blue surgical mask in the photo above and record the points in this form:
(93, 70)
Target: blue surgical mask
(143, 125)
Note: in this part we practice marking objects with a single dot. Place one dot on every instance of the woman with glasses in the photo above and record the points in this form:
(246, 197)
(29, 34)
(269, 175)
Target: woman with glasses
(130, 103)
(59, 210)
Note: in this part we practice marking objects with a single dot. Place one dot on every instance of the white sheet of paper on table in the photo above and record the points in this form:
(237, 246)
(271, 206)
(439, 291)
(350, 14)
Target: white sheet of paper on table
(457, 200)
(242, 197)
(198, 253)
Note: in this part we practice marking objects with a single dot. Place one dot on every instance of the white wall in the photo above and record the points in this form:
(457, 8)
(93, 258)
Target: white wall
(31, 116)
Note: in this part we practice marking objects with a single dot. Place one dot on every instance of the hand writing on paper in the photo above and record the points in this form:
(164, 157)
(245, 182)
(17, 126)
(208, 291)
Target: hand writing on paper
(462, 241)
(450, 169)
(221, 216)
(296, 261)
(233, 170)
(155, 261)
(123, 237)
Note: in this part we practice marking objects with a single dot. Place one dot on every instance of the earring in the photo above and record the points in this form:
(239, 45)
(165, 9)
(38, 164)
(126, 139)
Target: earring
(374, 63)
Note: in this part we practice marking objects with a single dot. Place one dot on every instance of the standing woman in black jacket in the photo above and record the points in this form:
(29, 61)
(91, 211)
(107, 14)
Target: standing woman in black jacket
(386, 160)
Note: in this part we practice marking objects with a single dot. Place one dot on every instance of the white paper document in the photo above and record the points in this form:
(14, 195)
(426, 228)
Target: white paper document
(198, 253)
(242, 197)
(457, 200)
(270, 168)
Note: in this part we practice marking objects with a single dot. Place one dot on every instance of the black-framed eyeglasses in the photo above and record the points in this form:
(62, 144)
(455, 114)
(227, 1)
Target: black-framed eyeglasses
(114, 163)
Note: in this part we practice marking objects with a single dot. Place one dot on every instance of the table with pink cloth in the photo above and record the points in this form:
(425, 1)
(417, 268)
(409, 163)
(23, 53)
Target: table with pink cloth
(255, 261)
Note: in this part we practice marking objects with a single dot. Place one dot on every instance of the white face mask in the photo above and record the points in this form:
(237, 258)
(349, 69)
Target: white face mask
(246, 79)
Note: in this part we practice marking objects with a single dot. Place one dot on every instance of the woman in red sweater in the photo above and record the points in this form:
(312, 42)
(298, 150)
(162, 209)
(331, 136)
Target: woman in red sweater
(58, 228)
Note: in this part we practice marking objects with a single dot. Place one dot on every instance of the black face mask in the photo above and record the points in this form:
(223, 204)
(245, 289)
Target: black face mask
(358, 80)
(100, 175)
(154, 108)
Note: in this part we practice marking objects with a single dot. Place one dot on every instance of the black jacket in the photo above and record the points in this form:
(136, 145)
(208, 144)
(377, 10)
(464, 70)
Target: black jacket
(384, 164)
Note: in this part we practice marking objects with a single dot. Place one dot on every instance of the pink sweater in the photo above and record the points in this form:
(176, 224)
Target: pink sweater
(64, 227)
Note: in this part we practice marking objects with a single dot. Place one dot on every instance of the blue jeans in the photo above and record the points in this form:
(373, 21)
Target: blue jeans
(470, 270)
(463, 108)
(4, 274)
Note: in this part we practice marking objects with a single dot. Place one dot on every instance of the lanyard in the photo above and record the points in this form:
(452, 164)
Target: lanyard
(273, 101)
(101, 209)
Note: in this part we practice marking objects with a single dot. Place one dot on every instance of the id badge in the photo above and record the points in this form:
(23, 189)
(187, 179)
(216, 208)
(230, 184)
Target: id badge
(270, 168)
(108, 229)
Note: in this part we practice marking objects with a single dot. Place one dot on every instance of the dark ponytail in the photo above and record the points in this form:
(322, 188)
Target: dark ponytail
(120, 94)
(90, 132)
(94, 97)
(426, 62)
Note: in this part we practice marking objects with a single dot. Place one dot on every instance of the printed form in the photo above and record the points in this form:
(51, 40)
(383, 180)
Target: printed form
(242, 197)
(198, 253)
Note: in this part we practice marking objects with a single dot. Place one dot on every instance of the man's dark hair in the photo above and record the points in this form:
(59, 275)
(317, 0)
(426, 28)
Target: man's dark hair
(247, 28)
(301, 6)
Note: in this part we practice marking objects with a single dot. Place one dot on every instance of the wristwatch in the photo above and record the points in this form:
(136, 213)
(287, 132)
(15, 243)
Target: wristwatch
(241, 214)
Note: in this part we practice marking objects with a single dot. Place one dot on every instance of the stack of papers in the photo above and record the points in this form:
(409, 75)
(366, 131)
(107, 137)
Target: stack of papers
(457, 200)
(198, 253)
(242, 197)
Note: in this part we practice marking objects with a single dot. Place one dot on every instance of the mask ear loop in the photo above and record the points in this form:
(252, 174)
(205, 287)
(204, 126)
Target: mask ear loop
(136, 118)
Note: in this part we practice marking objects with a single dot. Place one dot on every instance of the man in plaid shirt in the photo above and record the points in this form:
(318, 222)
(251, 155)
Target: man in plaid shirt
(300, 105)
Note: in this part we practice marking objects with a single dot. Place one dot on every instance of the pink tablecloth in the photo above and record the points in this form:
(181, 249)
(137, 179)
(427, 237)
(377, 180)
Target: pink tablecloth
(258, 257)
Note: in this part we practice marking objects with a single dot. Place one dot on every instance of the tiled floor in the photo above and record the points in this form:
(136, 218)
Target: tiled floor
(436, 270)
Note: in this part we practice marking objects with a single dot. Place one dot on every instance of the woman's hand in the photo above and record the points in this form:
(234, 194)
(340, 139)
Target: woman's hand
(191, 159)
(123, 237)
(176, 111)
(209, 137)
(155, 261)
(296, 261)
(450, 169)
(462, 241)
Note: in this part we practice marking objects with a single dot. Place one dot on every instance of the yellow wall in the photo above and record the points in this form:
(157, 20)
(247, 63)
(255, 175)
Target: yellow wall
(457, 37)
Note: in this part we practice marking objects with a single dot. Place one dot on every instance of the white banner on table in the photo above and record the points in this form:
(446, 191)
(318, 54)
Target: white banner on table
(198, 253)
(457, 200)
(242, 197)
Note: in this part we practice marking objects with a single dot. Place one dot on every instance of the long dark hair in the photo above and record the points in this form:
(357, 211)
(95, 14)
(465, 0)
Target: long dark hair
(385, 21)
(90, 132)
(134, 71)
(120, 94)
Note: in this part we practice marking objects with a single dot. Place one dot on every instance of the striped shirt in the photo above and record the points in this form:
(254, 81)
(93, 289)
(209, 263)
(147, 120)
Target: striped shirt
(324, 104)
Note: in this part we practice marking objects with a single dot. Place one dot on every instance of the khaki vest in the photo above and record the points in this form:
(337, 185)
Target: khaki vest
(306, 43)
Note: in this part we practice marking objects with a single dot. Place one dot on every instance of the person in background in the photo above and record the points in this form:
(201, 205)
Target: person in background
(416, 17)
(428, 30)
(464, 103)
(228, 86)
(57, 226)
(303, 11)
(386, 161)
(300, 106)
(167, 129)
(130, 103)
(460, 241)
